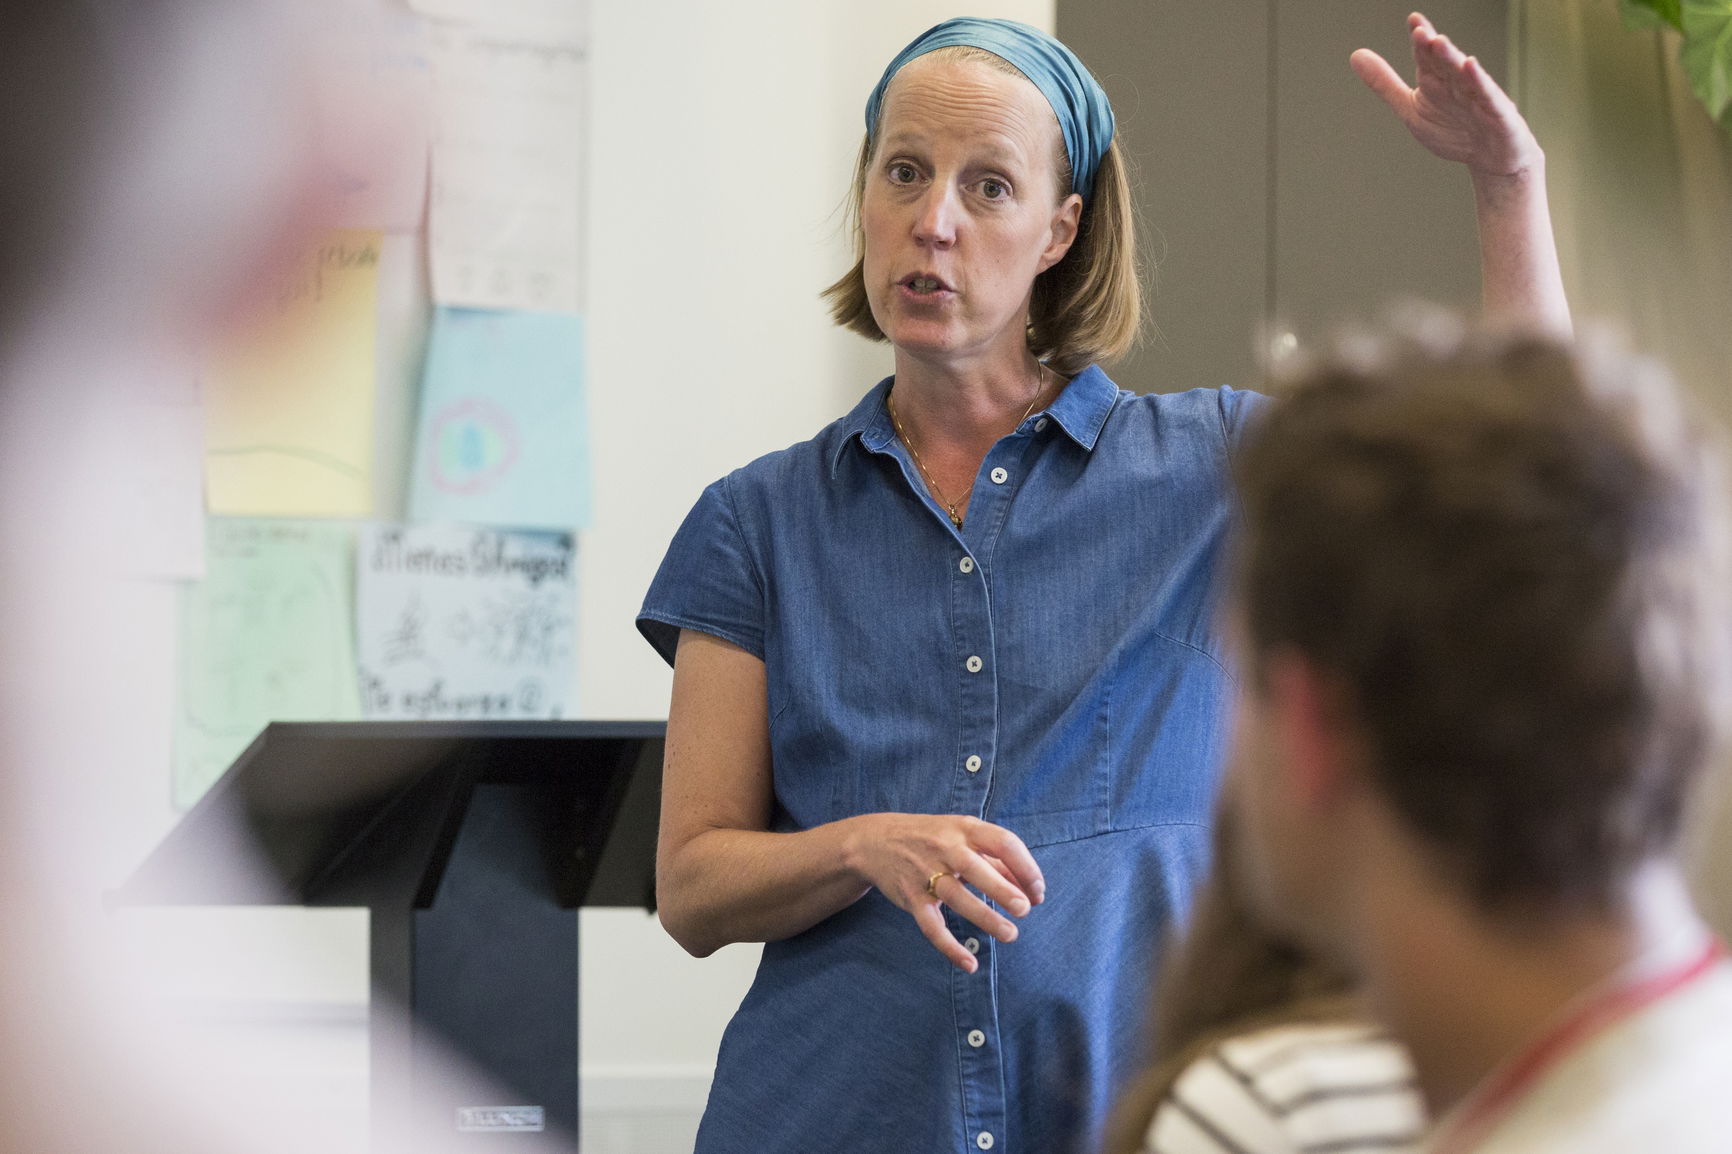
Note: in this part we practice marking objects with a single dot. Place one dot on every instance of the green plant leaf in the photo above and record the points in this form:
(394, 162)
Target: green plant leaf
(1651, 13)
(1707, 52)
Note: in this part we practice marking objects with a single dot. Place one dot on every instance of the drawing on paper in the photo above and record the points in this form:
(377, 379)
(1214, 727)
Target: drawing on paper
(458, 622)
(265, 636)
(474, 443)
(503, 435)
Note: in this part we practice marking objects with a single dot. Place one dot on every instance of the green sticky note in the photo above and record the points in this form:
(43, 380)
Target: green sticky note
(267, 635)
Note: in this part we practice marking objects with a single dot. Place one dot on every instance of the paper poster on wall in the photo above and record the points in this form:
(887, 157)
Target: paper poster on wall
(268, 635)
(459, 622)
(290, 415)
(503, 435)
(505, 202)
(568, 18)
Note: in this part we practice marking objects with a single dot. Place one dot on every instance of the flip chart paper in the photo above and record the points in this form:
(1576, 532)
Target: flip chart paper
(290, 416)
(503, 434)
(268, 635)
(505, 202)
(459, 622)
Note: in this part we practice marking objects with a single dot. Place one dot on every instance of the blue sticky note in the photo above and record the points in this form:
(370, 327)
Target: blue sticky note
(503, 436)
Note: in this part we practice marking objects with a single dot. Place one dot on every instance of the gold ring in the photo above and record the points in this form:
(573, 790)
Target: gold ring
(932, 883)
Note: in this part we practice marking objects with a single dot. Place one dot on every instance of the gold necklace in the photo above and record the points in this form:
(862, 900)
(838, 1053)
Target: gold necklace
(949, 505)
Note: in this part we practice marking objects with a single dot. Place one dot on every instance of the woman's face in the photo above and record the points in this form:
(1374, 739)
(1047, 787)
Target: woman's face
(961, 209)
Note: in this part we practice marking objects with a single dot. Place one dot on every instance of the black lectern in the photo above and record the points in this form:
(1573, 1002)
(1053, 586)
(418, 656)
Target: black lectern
(472, 844)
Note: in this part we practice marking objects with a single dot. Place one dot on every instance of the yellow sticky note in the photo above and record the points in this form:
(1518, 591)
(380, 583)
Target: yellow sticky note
(289, 417)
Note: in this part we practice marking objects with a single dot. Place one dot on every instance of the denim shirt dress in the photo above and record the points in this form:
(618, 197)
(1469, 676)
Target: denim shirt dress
(1053, 667)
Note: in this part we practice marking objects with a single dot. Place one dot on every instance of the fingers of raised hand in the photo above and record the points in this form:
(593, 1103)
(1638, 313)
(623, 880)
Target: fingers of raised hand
(1382, 78)
(1437, 61)
(1478, 122)
(1486, 92)
(1445, 55)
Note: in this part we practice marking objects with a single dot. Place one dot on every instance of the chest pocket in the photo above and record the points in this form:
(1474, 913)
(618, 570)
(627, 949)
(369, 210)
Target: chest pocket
(1139, 744)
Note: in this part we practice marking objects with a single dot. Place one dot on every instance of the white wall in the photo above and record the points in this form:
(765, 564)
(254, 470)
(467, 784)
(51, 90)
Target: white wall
(722, 139)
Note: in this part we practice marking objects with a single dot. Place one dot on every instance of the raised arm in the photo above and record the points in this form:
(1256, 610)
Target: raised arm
(722, 877)
(1458, 112)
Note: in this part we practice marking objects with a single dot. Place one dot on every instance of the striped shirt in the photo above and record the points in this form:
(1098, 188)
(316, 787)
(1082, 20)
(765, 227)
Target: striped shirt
(1309, 1088)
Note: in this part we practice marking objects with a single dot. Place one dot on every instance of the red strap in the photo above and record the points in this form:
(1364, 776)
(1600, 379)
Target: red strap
(1517, 1077)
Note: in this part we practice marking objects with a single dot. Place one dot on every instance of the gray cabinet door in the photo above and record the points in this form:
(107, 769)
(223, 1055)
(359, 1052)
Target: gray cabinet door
(1363, 215)
(1276, 193)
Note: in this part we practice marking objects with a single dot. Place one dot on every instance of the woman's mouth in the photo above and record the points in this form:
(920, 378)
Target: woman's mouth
(924, 287)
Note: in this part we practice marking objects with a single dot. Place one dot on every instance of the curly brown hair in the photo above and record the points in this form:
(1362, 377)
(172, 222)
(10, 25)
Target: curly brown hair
(1512, 553)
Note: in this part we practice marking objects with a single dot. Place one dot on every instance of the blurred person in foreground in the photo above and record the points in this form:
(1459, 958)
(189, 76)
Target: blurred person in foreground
(161, 163)
(1481, 608)
(1262, 1045)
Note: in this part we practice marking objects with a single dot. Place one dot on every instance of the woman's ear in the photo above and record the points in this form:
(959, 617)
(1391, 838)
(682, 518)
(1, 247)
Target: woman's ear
(1066, 220)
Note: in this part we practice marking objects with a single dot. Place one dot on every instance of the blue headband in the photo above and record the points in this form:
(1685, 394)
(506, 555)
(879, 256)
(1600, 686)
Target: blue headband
(1084, 116)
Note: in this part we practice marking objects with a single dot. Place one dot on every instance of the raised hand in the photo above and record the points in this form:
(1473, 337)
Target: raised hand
(923, 862)
(1457, 110)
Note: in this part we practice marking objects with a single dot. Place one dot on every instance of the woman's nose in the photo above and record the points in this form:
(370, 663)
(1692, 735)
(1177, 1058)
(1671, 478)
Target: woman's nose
(935, 223)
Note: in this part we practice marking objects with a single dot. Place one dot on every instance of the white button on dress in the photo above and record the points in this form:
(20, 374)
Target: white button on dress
(984, 1139)
(999, 476)
(1040, 425)
(976, 1038)
(973, 763)
(966, 564)
(974, 664)
(972, 945)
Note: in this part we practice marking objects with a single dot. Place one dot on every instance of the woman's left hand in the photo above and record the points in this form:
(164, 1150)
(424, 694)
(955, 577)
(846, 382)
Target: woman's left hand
(1457, 111)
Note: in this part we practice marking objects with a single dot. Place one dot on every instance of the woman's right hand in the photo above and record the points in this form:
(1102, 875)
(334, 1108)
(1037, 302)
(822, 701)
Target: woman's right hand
(722, 876)
(900, 853)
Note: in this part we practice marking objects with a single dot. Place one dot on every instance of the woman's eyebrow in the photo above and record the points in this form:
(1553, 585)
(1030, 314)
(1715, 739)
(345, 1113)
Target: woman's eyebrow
(998, 154)
(898, 141)
(991, 152)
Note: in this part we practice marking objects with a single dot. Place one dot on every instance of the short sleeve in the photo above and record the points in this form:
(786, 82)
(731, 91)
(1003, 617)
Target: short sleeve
(1240, 410)
(708, 581)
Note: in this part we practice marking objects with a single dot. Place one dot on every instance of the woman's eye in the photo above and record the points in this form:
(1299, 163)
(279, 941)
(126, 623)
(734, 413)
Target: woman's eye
(903, 173)
(994, 189)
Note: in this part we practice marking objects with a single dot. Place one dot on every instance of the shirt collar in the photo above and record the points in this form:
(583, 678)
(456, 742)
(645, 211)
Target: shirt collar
(869, 421)
(1080, 410)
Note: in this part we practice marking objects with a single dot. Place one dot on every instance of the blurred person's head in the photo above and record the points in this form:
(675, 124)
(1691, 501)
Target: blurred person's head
(160, 160)
(1481, 602)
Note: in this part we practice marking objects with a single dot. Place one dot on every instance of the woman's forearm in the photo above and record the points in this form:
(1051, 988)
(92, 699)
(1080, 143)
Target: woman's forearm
(728, 885)
(1522, 283)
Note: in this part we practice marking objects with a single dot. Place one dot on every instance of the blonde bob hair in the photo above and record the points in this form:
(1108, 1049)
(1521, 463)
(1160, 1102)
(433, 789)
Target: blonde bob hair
(1086, 308)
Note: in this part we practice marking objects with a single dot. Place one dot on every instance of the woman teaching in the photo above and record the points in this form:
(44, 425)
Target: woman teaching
(948, 697)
